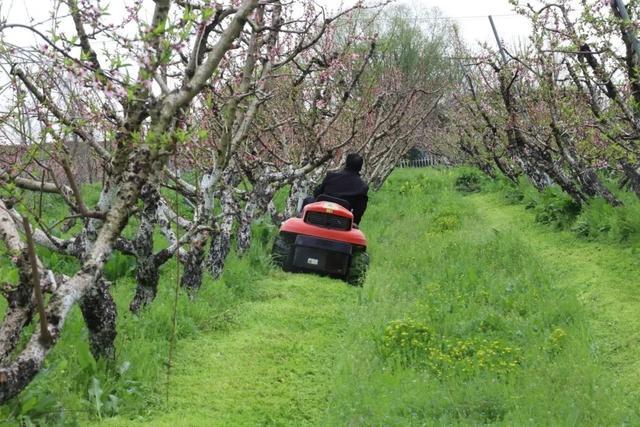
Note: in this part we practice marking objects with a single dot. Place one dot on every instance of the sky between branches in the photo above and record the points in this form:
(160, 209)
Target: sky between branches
(471, 16)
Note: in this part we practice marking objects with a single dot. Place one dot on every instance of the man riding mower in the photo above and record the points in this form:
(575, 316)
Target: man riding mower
(325, 239)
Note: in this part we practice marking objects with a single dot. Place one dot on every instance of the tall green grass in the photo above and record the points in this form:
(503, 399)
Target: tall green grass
(73, 388)
(460, 295)
(596, 220)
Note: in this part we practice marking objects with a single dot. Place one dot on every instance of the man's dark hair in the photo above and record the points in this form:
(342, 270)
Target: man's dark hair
(354, 162)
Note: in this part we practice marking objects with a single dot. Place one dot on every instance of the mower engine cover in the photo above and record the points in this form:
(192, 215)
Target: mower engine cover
(326, 220)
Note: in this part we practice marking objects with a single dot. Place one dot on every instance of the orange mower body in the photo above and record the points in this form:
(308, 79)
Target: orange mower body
(323, 240)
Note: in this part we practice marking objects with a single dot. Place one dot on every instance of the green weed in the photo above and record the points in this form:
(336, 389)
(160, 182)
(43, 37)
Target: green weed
(446, 222)
(469, 181)
(595, 220)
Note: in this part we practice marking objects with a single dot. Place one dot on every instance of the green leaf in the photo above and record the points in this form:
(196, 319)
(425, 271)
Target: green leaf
(28, 405)
(95, 395)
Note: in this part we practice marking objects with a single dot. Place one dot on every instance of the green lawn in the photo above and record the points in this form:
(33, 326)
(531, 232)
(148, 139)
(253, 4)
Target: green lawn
(471, 314)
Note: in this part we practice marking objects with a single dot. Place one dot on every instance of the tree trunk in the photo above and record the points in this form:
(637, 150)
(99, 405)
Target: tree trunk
(276, 217)
(99, 312)
(15, 376)
(261, 195)
(244, 227)
(301, 187)
(221, 240)
(20, 299)
(147, 271)
(587, 178)
(506, 169)
(191, 278)
(147, 277)
(592, 185)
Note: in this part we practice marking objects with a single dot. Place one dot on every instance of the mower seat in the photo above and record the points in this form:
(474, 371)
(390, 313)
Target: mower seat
(337, 200)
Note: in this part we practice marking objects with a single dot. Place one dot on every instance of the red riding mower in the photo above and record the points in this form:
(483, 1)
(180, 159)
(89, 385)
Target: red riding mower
(324, 240)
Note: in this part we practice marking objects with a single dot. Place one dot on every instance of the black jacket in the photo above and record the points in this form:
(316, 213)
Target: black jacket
(347, 185)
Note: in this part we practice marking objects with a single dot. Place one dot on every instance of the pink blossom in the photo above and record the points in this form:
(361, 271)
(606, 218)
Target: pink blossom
(601, 164)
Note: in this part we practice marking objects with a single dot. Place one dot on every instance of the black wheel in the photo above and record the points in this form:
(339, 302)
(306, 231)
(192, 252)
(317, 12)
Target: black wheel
(282, 250)
(358, 268)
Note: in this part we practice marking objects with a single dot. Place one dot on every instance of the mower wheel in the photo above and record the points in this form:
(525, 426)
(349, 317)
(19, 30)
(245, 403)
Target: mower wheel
(282, 250)
(358, 268)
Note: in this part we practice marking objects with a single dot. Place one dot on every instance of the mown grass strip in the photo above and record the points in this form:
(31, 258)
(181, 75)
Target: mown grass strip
(603, 275)
(274, 366)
